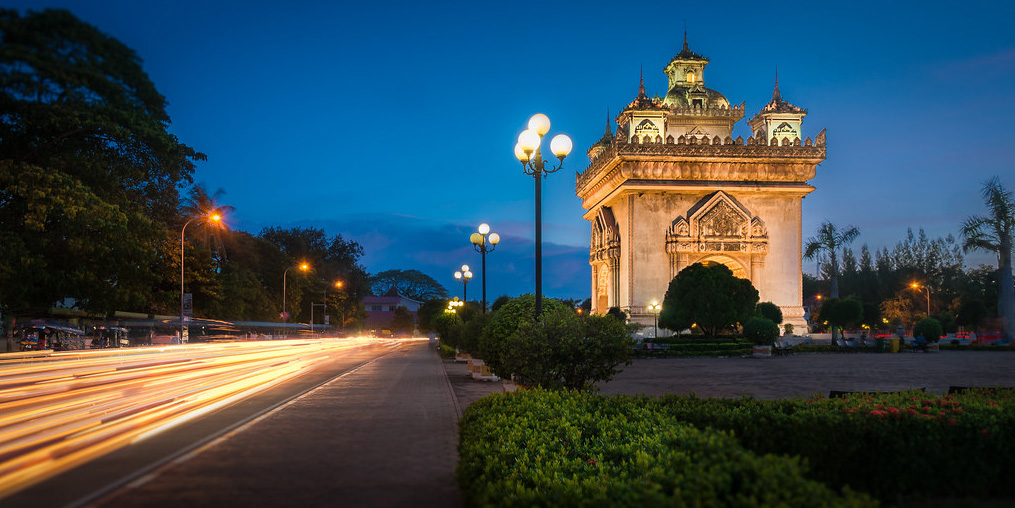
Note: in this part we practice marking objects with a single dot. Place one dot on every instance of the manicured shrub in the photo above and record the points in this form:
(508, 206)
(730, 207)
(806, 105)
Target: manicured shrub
(566, 350)
(770, 311)
(504, 323)
(929, 329)
(761, 331)
(564, 449)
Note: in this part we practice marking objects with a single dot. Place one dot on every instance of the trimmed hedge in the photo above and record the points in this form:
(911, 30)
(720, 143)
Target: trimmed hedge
(562, 449)
(704, 349)
(909, 444)
(540, 448)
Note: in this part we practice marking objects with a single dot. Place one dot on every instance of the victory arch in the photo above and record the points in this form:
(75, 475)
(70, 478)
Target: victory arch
(671, 187)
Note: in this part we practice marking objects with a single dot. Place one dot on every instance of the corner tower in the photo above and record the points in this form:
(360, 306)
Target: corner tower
(672, 187)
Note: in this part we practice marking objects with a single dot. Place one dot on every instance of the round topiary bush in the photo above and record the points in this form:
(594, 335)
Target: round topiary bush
(929, 329)
(761, 331)
(770, 311)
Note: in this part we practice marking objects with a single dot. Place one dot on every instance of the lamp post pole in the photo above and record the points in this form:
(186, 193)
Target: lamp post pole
(484, 241)
(215, 217)
(464, 277)
(528, 153)
(927, 290)
(312, 305)
(338, 284)
(301, 266)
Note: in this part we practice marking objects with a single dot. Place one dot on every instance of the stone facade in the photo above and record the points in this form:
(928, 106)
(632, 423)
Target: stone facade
(671, 187)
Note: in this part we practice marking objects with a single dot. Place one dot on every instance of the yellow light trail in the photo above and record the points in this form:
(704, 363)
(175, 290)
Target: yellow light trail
(61, 410)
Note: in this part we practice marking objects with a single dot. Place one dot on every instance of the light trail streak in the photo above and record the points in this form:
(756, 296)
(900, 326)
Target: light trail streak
(65, 409)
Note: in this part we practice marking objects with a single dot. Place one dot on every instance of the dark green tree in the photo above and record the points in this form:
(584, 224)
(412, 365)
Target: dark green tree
(402, 321)
(501, 300)
(993, 233)
(841, 313)
(769, 311)
(428, 312)
(88, 169)
(829, 240)
(618, 314)
(972, 313)
(412, 283)
(709, 296)
(928, 328)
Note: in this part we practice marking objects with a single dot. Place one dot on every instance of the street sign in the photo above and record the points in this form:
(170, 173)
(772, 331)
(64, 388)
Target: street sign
(188, 304)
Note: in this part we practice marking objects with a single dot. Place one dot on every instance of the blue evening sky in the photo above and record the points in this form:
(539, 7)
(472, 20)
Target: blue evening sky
(393, 123)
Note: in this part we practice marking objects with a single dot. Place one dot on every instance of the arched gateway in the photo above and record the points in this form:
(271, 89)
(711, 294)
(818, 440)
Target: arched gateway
(671, 187)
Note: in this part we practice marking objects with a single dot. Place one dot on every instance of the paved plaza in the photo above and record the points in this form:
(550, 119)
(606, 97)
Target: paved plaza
(800, 374)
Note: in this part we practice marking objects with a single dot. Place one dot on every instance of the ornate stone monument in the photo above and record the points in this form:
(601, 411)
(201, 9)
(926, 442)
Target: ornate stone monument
(672, 187)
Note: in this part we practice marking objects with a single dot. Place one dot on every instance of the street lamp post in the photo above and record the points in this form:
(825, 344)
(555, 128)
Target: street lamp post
(312, 305)
(338, 285)
(214, 217)
(302, 266)
(927, 290)
(484, 241)
(464, 277)
(528, 153)
(654, 307)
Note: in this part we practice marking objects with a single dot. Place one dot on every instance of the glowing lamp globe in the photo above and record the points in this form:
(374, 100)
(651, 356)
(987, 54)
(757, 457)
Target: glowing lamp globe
(484, 228)
(560, 145)
(539, 123)
(458, 275)
(465, 268)
(528, 141)
(520, 154)
(494, 239)
(476, 239)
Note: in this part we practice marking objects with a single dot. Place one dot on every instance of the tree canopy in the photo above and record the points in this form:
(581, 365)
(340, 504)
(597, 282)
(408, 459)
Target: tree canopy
(412, 283)
(88, 169)
(710, 296)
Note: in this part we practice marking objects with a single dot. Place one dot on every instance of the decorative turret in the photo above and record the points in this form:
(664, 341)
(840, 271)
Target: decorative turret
(689, 110)
(778, 123)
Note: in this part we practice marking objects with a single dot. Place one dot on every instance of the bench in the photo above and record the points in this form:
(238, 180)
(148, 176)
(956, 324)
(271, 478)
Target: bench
(782, 348)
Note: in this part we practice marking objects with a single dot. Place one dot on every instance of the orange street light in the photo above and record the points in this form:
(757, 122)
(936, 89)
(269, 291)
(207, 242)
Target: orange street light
(213, 217)
(303, 267)
(925, 288)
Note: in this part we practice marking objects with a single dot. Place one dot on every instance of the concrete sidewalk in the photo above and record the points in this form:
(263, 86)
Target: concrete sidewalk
(382, 435)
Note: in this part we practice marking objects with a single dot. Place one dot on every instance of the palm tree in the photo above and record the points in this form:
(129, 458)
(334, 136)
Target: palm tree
(993, 233)
(830, 240)
(199, 203)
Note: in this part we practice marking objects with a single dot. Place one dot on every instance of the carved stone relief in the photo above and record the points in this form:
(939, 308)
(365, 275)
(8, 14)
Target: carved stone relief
(717, 223)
